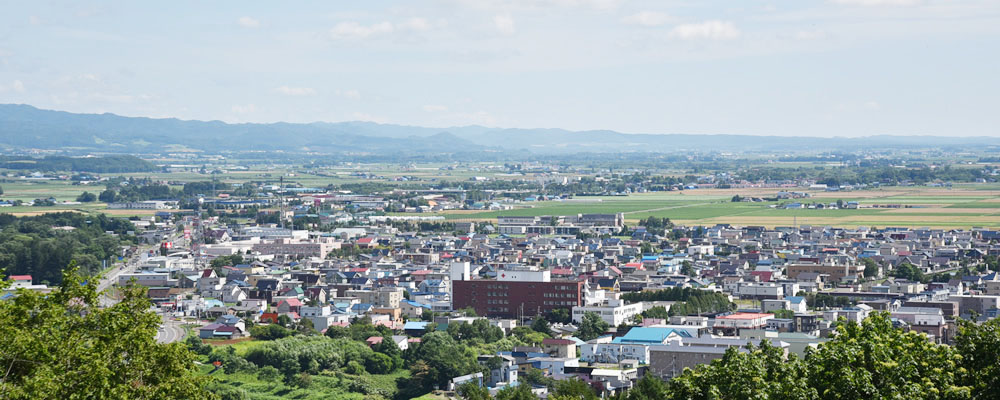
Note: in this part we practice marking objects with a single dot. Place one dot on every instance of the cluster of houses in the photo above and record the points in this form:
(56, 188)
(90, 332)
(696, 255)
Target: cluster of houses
(397, 279)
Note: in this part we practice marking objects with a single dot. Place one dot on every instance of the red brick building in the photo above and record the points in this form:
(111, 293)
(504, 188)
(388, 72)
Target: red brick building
(505, 299)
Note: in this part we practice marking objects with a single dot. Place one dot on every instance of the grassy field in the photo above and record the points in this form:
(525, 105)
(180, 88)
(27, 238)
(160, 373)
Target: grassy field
(321, 386)
(960, 207)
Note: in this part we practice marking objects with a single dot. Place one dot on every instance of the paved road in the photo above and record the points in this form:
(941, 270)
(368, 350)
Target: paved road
(171, 331)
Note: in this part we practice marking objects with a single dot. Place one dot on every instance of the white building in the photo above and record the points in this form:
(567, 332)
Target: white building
(614, 311)
(761, 291)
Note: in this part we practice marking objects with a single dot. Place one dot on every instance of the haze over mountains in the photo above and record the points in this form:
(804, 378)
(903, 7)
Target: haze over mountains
(24, 126)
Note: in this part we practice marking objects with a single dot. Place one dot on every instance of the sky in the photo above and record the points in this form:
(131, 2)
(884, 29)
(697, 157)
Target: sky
(769, 67)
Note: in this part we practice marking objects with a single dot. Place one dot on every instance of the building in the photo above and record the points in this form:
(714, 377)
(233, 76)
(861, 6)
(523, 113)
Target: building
(287, 247)
(148, 279)
(761, 291)
(614, 311)
(561, 225)
(670, 360)
(732, 324)
(142, 205)
(517, 292)
(835, 272)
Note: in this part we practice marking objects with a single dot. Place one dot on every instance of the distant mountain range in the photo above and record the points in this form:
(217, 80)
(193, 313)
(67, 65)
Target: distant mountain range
(24, 126)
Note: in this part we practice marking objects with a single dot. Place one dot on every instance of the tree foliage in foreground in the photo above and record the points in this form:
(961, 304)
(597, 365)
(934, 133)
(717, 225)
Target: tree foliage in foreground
(62, 346)
(871, 360)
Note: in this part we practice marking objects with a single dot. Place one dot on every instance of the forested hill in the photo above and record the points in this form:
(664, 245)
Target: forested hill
(42, 246)
(24, 126)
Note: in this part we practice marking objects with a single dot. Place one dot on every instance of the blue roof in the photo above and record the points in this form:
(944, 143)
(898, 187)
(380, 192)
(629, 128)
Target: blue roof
(648, 335)
(415, 325)
(415, 304)
(795, 299)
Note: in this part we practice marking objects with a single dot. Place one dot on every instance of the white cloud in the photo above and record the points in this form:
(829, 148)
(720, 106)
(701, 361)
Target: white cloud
(873, 106)
(706, 30)
(810, 35)
(878, 3)
(415, 24)
(295, 91)
(34, 20)
(354, 30)
(596, 4)
(119, 98)
(18, 86)
(248, 22)
(435, 108)
(360, 116)
(504, 24)
(648, 18)
(244, 109)
(474, 118)
(352, 94)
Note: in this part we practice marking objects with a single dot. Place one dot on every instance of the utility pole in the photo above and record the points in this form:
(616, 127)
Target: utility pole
(281, 200)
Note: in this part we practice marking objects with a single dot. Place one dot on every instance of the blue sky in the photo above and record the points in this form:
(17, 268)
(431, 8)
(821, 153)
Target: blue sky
(789, 67)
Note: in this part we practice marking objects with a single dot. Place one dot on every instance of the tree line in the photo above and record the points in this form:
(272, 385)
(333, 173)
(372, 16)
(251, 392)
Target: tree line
(34, 246)
(106, 164)
(690, 301)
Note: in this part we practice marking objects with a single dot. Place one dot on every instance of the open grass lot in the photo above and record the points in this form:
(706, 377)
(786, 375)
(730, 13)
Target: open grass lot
(321, 386)
(963, 206)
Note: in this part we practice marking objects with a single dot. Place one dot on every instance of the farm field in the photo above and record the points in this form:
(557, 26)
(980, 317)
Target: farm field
(960, 207)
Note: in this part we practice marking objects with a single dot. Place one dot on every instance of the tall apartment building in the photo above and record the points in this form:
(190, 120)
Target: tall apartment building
(288, 247)
(517, 292)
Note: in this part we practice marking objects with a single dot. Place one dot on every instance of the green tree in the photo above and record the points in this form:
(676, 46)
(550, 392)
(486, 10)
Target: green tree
(591, 326)
(541, 325)
(63, 345)
(979, 345)
(270, 332)
(86, 197)
(108, 196)
(517, 392)
(874, 360)
(560, 315)
(649, 387)
(909, 272)
(871, 268)
(760, 372)
(528, 336)
(574, 389)
(687, 268)
(535, 376)
(473, 391)
(656, 312)
(438, 358)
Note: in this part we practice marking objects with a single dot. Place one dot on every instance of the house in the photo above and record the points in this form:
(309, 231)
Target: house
(415, 328)
(559, 347)
(289, 305)
(20, 281)
(402, 342)
(231, 320)
(219, 331)
(503, 369)
(233, 294)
